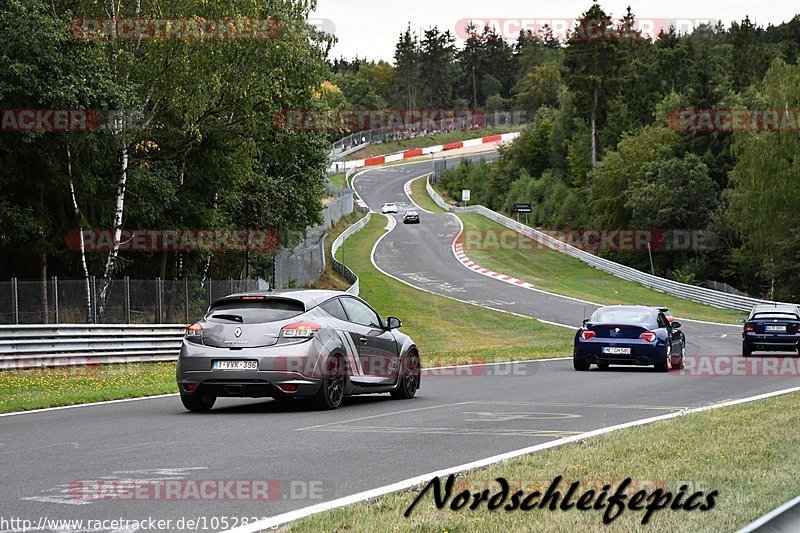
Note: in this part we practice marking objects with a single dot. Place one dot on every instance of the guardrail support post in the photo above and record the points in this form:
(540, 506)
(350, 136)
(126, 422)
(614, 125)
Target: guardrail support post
(127, 289)
(158, 301)
(208, 293)
(15, 299)
(55, 300)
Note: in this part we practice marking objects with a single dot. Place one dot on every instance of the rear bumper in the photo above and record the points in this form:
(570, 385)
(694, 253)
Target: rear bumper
(774, 343)
(645, 354)
(290, 366)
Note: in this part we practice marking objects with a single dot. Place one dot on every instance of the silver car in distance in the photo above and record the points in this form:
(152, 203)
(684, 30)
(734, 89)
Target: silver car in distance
(322, 345)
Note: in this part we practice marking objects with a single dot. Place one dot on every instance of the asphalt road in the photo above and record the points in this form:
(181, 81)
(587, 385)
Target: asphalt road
(52, 461)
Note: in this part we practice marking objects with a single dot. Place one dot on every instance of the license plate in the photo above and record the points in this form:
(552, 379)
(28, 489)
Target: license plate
(617, 351)
(235, 365)
(776, 329)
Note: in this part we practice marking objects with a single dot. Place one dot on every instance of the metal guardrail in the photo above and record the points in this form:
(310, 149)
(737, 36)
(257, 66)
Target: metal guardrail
(690, 292)
(342, 269)
(37, 346)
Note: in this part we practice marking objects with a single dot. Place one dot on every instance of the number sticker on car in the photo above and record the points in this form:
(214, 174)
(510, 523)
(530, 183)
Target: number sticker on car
(235, 365)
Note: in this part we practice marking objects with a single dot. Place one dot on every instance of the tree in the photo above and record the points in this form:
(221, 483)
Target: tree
(593, 62)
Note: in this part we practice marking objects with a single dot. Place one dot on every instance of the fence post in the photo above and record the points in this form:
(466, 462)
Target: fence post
(158, 300)
(208, 293)
(93, 299)
(55, 300)
(127, 297)
(186, 298)
(15, 299)
(230, 284)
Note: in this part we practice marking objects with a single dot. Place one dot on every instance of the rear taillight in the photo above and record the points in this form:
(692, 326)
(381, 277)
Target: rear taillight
(648, 336)
(749, 327)
(588, 334)
(301, 330)
(195, 330)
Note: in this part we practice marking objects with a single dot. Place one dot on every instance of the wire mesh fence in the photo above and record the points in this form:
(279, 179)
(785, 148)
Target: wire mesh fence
(127, 301)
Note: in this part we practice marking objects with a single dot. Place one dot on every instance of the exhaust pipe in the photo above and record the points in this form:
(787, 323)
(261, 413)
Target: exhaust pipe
(234, 389)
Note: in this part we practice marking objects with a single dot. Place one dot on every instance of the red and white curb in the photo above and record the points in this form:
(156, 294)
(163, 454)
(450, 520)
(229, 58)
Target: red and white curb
(392, 222)
(361, 203)
(407, 189)
(417, 152)
(458, 249)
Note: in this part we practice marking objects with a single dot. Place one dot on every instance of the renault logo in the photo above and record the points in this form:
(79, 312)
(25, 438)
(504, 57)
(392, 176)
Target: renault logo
(237, 333)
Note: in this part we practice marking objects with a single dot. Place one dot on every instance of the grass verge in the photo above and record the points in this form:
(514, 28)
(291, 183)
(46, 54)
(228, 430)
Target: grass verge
(338, 180)
(747, 453)
(419, 194)
(447, 331)
(555, 272)
(427, 140)
(23, 390)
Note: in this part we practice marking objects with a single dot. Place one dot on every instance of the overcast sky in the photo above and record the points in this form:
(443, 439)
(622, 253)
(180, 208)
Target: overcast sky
(371, 27)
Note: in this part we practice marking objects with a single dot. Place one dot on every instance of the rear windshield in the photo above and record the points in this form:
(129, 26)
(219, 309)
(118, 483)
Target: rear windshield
(620, 316)
(255, 311)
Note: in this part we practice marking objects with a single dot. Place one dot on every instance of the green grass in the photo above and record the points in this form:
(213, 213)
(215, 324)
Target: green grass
(338, 180)
(421, 197)
(427, 140)
(447, 331)
(555, 272)
(748, 453)
(23, 390)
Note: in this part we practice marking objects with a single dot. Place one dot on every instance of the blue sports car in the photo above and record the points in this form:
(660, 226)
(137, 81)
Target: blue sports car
(629, 335)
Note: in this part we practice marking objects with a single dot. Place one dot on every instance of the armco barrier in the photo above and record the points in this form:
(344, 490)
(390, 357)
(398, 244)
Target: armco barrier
(690, 292)
(32, 346)
(341, 268)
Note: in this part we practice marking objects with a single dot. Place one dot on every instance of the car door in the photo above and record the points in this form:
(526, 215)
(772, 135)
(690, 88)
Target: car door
(377, 348)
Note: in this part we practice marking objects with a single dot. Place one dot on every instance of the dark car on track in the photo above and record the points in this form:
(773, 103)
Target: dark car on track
(772, 328)
(629, 335)
(411, 217)
(322, 345)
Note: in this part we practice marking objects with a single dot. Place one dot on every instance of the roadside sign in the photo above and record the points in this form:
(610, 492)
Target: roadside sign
(523, 208)
(466, 194)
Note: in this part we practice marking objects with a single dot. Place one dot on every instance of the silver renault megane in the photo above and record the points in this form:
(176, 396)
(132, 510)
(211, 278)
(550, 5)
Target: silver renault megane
(322, 345)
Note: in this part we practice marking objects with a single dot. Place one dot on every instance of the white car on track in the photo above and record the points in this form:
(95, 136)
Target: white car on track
(389, 208)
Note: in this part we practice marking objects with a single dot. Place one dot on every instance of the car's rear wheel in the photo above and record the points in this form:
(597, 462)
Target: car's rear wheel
(581, 366)
(666, 365)
(747, 350)
(409, 378)
(331, 391)
(682, 362)
(198, 403)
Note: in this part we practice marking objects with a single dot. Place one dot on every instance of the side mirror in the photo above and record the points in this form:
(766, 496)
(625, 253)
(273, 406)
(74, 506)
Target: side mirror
(393, 323)
(676, 325)
(742, 321)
